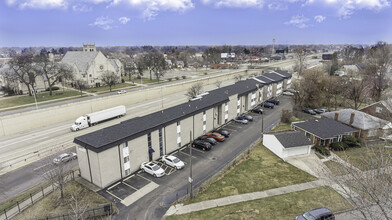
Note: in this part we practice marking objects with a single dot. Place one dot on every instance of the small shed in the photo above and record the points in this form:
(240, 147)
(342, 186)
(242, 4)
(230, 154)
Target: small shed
(287, 143)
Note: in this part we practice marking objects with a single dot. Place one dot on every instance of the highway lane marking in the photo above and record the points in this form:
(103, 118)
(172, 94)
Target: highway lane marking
(113, 195)
(41, 167)
(138, 106)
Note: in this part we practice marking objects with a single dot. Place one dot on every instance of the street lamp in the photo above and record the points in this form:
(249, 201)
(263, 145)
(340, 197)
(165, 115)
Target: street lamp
(190, 179)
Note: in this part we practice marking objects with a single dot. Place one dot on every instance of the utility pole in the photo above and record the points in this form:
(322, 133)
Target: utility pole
(190, 161)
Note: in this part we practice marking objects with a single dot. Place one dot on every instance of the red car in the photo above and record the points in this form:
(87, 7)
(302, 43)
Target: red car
(216, 136)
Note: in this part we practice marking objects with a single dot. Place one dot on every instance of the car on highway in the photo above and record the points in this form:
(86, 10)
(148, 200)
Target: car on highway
(257, 110)
(274, 101)
(241, 120)
(223, 132)
(121, 92)
(288, 93)
(65, 157)
(269, 105)
(309, 111)
(152, 169)
(201, 145)
(248, 117)
(321, 110)
(317, 214)
(173, 161)
(216, 136)
(208, 139)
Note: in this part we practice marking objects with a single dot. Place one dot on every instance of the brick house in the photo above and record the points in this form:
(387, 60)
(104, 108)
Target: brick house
(324, 131)
(370, 127)
(381, 109)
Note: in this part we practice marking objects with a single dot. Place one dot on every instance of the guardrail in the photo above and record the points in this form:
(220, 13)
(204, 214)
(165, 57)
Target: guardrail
(33, 197)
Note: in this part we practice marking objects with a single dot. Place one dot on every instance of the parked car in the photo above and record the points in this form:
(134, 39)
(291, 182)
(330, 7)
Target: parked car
(173, 161)
(121, 92)
(268, 105)
(317, 214)
(241, 120)
(257, 110)
(288, 93)
(216, 136)
(201, 145)
(274, 101)
(208, 139)
(309, 111)
(290, 90)
(65, 157)
(223, 132)
(248, 117)
(152, 168)
(321, 110)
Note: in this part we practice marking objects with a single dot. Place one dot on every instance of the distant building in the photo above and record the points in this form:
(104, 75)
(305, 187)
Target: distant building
(381, 109)
(90, 64)
(327, 56)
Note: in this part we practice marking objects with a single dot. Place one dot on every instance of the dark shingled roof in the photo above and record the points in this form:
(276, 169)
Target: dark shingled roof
(283, 74)
(325, 128)
(114, 135)
(292, 139)
(275, 77)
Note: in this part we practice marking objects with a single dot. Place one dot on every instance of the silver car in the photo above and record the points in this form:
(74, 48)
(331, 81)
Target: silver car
(65, 157)
(241, 120)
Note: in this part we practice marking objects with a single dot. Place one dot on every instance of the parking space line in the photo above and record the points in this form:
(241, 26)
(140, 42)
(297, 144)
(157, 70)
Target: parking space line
(187, 154)
(130, 186)
(198, 150)
(171, 171)
(145, 178)
(113, 186)
(129, 177)
(113, 195)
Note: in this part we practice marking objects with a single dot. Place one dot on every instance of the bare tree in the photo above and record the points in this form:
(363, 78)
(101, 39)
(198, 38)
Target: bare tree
(110, 79)
(80, 85)
(55, 173)
(356, 91)
(218, 83)
(78, 204)
(368, 184)
(21, 68)
(194, 90)
(159, 65)
(300, 55)
(238, 78)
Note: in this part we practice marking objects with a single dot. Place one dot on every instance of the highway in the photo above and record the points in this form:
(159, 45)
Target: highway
(57, 138)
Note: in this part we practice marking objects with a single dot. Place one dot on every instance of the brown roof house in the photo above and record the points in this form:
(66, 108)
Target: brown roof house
(370, 127)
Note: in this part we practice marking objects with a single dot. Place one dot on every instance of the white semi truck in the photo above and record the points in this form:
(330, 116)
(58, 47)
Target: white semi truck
(96, 117)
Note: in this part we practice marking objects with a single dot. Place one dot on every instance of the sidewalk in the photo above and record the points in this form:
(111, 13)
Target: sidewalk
(181, 209)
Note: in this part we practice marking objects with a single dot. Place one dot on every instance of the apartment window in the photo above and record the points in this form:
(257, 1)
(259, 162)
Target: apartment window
(322, 142)
(160, 142)
(335, 139)
(149, 140)
(204, 122)
(127, 165)
(219, 114)
(238, 106)
(179, 134)
(226, 112)
(90, 75)
(253, 99)
(378, 110)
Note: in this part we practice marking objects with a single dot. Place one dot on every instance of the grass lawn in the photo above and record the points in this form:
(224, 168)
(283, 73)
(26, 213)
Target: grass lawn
(357, 155)
(286, 206)
(263, 170)
(44, 96)
(52, 205)
(285, 126)
(335, 168)
(145, 80)
(106, 88)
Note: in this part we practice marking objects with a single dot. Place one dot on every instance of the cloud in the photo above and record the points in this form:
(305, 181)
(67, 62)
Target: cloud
(81, 8)
(278, 6)
(298, 21)
(235, 3)
(38, 4)
(319, 18)
(104, 23)
(124, 20)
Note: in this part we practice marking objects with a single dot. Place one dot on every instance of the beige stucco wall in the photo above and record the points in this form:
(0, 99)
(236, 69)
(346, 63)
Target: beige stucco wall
(210, 119)
(171, 137)
(83, 163)
(12, 124)
(95, 168)
(232, 107)
(198, 126)
(138, 152)
(186, 127)
(109, 166)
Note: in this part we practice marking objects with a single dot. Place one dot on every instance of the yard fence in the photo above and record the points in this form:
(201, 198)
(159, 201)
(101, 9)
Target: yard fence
(27, 201)
(98, 211)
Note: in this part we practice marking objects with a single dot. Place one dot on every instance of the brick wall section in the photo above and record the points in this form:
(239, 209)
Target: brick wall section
(371, 110)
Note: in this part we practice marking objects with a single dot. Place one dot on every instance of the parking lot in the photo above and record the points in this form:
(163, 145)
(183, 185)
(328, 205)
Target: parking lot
(134, 187)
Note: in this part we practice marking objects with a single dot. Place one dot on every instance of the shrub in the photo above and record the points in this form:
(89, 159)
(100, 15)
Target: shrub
(122, 80)
(286, 116)
(184, 77)
(177, 77)
(351, 141)
(322, 150)
(170, 79)
(205, 73)
(53, 88)
(338, 146)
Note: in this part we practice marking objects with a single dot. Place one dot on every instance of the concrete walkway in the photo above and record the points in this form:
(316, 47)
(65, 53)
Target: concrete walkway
(184, 209)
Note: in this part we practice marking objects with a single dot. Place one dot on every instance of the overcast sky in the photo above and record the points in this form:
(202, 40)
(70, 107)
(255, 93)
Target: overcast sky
(193, 22)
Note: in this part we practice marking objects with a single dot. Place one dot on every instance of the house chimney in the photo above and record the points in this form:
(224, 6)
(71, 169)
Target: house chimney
(336, 116)
(352, 118)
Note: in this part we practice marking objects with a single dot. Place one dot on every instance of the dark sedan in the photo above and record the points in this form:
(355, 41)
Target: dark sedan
(268, 105)
(223, 132)
(309, 111)
(321, 110)
(274, 101)
(202, 145)
(208, 139)
(257, 110)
